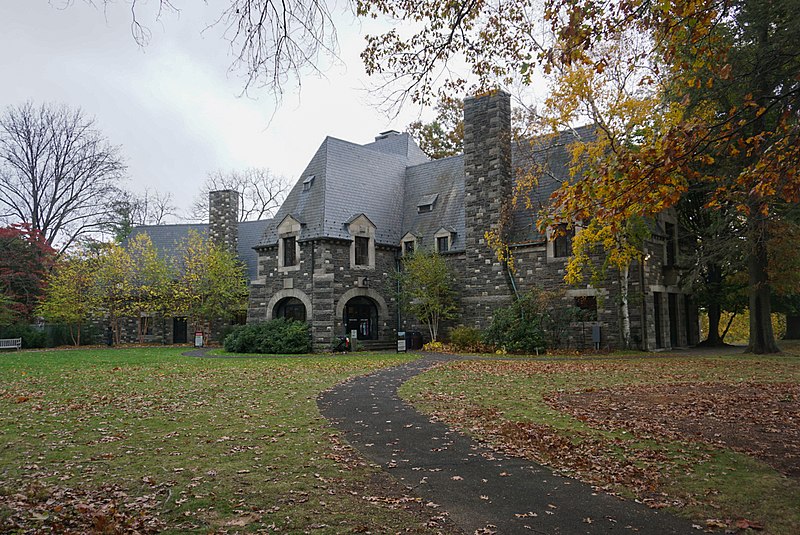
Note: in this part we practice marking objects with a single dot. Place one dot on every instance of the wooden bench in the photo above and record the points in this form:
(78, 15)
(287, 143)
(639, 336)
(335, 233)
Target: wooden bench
(10, 343)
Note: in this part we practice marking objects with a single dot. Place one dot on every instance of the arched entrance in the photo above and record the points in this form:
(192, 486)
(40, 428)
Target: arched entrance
(290, 308)
(361, 315)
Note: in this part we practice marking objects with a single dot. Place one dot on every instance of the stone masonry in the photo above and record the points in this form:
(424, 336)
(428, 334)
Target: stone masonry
(223, 218)
(487, 187)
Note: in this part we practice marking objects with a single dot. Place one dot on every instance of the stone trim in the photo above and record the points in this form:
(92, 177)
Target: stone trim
(383, 310)
(283, 294)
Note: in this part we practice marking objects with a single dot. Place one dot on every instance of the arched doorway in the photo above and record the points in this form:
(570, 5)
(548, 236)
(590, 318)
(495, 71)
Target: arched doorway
(290, 308)
(361, 315)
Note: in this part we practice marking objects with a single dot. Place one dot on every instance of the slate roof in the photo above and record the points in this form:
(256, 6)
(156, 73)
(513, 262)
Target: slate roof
(166, 237)
(350, 179)
(548, 158)
(444, 180)
(389, 178)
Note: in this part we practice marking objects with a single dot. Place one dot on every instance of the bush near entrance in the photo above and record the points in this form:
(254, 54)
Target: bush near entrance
(278, 336)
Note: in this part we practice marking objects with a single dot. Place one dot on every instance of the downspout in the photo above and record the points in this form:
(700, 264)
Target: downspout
(397, 266)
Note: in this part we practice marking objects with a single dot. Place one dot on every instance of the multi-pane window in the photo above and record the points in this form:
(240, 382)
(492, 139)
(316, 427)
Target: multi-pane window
(362, 251)
(289, 251)
(408, 247)
(442, 244)
(562, 245)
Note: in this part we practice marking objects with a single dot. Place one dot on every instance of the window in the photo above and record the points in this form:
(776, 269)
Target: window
(426, 202)
(562, 244)
(308, 182)
(442, 244)
(289, 251)
(291, 308)
(587, 307)
(362, 251)
(408, 247)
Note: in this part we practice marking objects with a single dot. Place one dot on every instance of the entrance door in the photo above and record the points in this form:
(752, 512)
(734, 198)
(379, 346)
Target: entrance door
(672, 303)
(361, 315)
(179, 329)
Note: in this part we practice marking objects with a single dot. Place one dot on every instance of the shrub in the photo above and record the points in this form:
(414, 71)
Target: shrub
(275, 336)
(465, 338)
(31, 336)
(537, 320)
(436, 347)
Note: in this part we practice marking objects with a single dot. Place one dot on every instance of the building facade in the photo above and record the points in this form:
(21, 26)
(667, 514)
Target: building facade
(329, 255)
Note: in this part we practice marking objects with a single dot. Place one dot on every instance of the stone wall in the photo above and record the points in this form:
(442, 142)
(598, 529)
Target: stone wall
(487, 187)
(324, 282)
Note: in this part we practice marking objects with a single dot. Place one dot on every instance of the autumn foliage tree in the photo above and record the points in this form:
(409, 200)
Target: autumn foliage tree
(25, 260)
(210, 284)
(426, 290)
(72, 297)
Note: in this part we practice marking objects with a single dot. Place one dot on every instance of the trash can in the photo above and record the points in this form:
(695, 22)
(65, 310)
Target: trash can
(414, 340)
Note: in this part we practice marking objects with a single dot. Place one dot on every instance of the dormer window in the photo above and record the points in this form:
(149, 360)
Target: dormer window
(362, 248)
(288, 246)
(408, 247)
(444, 239)
(308, 182)
(426, 203)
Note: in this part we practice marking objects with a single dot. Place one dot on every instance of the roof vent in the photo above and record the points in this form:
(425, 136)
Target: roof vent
(388, 133)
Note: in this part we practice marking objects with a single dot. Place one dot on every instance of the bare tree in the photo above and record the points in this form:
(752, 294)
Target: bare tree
(57, 171)
(135, 209)
(272, 41)
(260, 192)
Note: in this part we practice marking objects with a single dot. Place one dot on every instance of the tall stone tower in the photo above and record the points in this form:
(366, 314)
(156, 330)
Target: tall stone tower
(223, 218)
(487, 187)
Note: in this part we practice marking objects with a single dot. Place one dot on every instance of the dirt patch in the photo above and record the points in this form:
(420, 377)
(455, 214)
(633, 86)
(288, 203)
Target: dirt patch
(759, 419)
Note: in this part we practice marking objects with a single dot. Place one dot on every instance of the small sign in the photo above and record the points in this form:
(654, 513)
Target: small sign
(198, 339)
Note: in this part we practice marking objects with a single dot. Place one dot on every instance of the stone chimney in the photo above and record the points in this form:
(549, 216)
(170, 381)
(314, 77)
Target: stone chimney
(487, 187)
(223, 218)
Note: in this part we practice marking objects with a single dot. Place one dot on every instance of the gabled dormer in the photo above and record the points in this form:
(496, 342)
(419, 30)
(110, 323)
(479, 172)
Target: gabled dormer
(289, 230)
(362, 248)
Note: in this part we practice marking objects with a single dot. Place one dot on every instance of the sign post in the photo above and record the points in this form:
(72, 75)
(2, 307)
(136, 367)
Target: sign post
(401, 342)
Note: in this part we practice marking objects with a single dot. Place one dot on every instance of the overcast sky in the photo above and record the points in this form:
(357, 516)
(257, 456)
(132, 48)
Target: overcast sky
(173, 106)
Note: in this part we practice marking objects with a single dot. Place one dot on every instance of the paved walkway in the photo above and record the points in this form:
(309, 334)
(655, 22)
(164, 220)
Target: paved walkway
(477, 487)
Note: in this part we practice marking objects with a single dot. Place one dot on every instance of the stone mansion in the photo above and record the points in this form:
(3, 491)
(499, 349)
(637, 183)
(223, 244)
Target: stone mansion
(329, 254)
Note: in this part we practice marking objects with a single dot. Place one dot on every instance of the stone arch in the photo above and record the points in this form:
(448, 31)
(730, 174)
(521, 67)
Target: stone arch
(283, 294)
(383, 310)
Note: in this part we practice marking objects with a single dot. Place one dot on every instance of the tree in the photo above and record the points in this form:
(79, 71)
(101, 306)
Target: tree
(57, 172)
(271, 42)
(112, 281)
(7, 313)
(25, 259)
(72, 297)
(130, 210)
(149, 283)
(425, 283)
(260, 193)
(211, 283)
(444, 136)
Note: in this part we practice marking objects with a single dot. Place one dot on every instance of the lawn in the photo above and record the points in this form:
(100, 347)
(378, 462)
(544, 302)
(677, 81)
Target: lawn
(149, 440)
(713, 438)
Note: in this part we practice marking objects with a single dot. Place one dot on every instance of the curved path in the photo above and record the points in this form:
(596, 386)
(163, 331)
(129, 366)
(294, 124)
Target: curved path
(478, 488)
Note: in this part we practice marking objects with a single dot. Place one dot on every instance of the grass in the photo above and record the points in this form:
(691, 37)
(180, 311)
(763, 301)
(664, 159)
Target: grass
(150, 440)
(490, 398)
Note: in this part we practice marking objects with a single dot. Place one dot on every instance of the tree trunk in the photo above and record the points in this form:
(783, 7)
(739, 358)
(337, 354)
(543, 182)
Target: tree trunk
(713, 281)
(762, 337)
(625, 306)
(792, 327)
